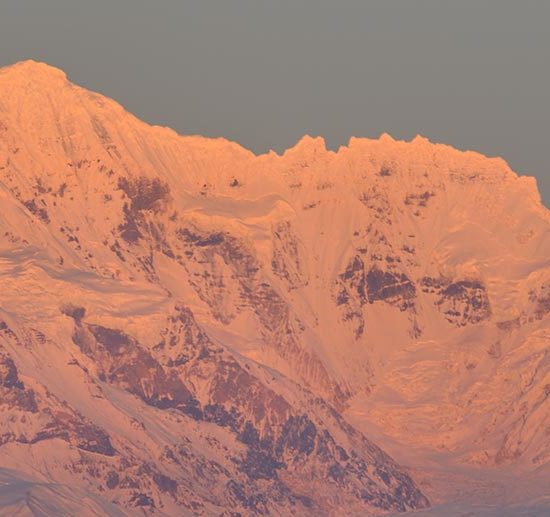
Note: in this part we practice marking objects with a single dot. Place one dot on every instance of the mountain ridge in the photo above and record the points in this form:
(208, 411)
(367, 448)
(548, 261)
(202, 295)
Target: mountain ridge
(37, 71)
(277, 308)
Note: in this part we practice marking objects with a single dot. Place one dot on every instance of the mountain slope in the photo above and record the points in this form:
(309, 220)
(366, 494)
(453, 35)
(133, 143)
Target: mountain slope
(224, 326)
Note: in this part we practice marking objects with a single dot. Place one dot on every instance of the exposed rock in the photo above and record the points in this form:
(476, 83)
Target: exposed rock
(463, 302)
(287, 256)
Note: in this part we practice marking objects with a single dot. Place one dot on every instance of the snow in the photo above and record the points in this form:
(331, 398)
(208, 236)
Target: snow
(466, 399)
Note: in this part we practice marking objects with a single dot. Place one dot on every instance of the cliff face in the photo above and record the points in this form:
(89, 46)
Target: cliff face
(185, 325)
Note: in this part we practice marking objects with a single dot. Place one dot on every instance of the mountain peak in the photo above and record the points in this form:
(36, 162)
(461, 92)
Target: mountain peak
(420, 140)
(33, 69)
(223, 320)
(309, 145)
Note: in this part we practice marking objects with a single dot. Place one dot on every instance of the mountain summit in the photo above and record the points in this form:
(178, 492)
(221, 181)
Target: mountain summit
(189, 328)
(32, 71)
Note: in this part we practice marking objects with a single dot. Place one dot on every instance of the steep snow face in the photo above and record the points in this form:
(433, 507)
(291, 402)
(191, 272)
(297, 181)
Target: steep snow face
(193, 327)
(20, 494)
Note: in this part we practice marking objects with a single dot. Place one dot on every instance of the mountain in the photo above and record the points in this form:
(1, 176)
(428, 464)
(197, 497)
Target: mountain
(189, 328)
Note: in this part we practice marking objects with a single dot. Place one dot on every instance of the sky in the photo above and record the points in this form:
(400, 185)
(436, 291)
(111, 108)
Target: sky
(474, 74)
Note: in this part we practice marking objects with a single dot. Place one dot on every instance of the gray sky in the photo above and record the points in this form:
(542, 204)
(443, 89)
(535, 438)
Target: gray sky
(471, 73)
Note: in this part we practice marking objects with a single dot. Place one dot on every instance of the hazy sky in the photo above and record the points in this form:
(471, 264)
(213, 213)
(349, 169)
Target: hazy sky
(471, 73)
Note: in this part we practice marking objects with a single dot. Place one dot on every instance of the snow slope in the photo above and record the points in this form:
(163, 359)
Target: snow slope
(227, 327)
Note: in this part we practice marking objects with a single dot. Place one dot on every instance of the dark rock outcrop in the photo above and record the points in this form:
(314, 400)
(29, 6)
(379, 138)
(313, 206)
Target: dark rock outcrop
(462, 302)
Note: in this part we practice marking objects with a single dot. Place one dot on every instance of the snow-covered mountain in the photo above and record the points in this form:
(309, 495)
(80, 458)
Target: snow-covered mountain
(189, 328)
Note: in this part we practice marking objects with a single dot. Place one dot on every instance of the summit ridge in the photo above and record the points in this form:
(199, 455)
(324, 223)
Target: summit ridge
(189, 328)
